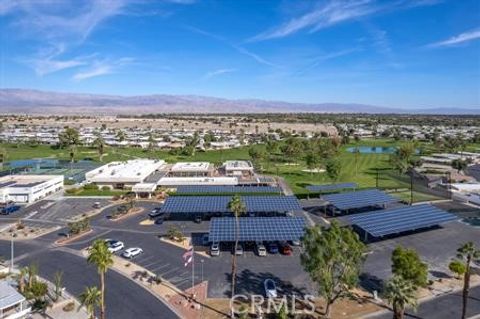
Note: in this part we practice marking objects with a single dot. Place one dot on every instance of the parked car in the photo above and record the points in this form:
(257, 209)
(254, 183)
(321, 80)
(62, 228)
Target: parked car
(215, 249)
(261, 250)
(155, 213)
(285, 249)
(132, 252)
(239, 250)
(296, 242)
(159, 220)
(198, 219)
(96, 205)
(270, 288)
(115, 245)
(7, 210)
(272, 248)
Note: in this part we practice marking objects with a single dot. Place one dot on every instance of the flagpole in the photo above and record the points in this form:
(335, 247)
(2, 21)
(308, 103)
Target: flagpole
(193, 270)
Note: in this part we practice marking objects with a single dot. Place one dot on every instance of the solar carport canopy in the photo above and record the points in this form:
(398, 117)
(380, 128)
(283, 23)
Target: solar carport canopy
(222, 229)
(359, 199)
(330, 187)
(399, 220)
(213, 189)
(219, 204)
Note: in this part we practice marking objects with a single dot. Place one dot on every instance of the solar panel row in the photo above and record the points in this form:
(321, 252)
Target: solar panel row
(359, 199)
(219, 204)
(257, 229)
(330, 187)
(213, 189)
(399, 220)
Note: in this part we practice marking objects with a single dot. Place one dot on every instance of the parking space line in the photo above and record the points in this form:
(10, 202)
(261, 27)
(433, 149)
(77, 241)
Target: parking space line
(171, 271)
(159, 267)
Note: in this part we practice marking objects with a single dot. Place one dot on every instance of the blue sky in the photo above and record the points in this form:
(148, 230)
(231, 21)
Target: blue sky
(397, 53)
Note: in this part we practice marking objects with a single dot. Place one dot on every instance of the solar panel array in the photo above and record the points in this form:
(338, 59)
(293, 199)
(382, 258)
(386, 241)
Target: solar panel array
(219, 204)
(359, 199)
(213, 189)
(257, 229)
(399, 220)
(330, 187)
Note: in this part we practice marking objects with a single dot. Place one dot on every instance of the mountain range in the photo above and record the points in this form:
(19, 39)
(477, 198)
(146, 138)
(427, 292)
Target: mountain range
(45, 102)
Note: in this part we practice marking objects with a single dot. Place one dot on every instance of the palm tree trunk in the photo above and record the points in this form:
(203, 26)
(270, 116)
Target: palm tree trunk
(328, 309)
(234, 262)
(102, 300)
(466, 288)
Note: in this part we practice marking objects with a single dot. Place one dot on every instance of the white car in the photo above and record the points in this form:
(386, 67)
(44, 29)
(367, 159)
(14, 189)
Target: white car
(215, 249)
(132, 252)
(270, 288)
(115, 246)
(261, 250)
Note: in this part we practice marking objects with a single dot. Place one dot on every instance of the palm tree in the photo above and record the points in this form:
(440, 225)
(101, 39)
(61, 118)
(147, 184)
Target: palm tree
(22, 274)
(3, 156)
(468, 253)
(400, 293)
(32, 272)
(90, 298)
(99, 143)
(238, 208)
(101, 257)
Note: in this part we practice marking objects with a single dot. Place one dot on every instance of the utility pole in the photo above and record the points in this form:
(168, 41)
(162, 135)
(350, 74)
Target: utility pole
(11, 254)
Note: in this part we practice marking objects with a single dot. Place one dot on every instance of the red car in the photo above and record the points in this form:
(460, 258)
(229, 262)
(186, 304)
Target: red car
(285, 249)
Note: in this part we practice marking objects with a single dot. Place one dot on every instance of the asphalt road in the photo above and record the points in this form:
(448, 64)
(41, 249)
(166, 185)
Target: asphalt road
(445, 307)
(124, 298)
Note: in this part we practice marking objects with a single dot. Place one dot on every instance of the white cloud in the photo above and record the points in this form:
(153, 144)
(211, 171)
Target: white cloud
(333, 12)
(458, 39)
(218, 72)
(99, 68)
(235, 47)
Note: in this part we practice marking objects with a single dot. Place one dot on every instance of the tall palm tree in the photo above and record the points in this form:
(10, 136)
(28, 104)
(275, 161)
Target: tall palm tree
(468, 253)
(22, 274)
(99, 143)
(101, 257)
(90, 298)
(400, 293)
(237, 207)
(32, 272)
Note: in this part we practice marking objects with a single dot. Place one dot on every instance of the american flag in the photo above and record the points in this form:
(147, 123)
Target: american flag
(188, 256)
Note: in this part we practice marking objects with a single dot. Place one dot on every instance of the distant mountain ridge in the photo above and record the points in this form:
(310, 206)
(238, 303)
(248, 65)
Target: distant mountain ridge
(45, 102)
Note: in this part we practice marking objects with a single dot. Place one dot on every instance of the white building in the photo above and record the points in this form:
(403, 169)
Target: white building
(192, 169)
(28, 188)
(123, 174)
(238, 168)
(12, 304)
(176, 181)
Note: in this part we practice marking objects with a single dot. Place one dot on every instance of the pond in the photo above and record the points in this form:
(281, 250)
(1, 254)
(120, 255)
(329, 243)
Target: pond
(372, 149)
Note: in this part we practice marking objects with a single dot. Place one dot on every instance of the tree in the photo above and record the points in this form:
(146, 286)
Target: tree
(22, 274)
(257, 155)
(99, 143)
(282, 314)
(237, 207)
(90, 298)
(72, 151)
(131, 198)
(407, 264)
(459, 165)
(69, 137)
(313, 161)
(400, 293)
(457, 267)
(403, 158)
(57, 280)
(468, 253)
(32, 271)
(334, 168)
(333, 258)
(3, 156)
(120, 136)
(101, 257)
(38, 290)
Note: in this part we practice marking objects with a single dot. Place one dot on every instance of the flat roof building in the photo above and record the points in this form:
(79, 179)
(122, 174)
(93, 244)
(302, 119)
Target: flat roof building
(124, 174)
(12, 304)
(192, 169)
(28, 188)
(238, 168)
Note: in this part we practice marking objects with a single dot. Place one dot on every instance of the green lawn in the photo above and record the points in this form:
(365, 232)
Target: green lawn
(362, 171)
